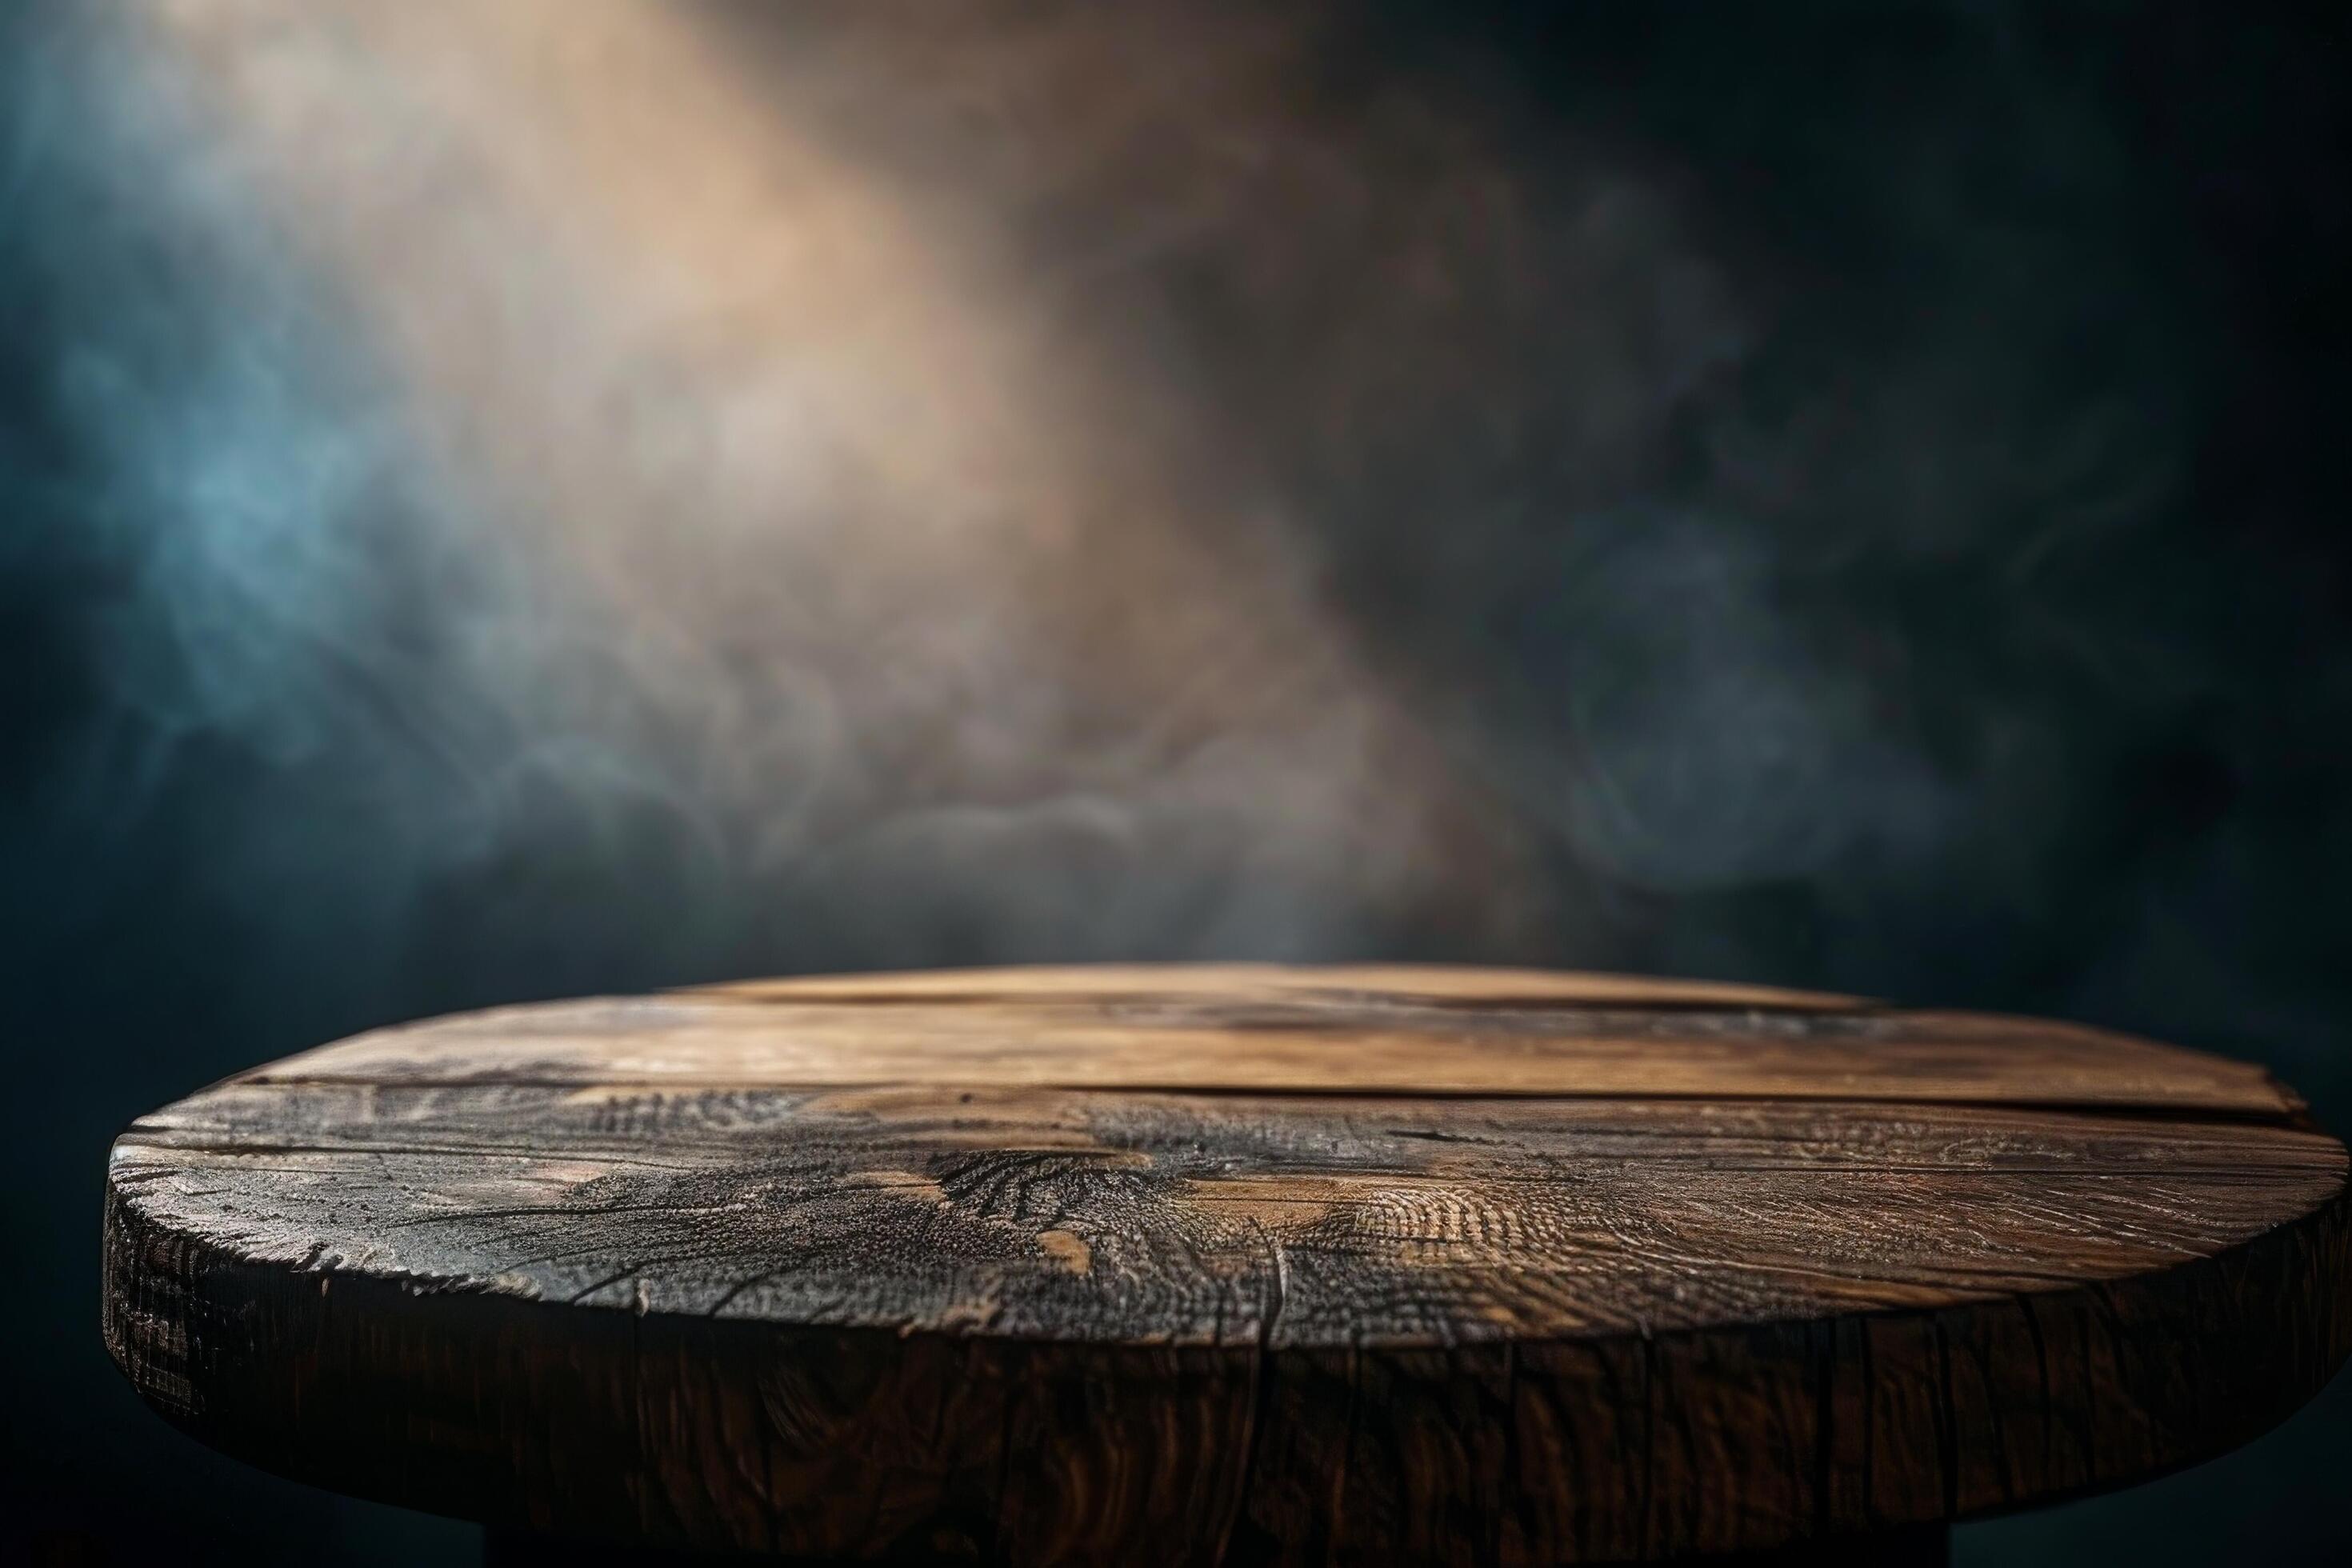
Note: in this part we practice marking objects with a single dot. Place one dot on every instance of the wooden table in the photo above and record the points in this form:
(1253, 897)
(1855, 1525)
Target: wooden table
(1233, 1264)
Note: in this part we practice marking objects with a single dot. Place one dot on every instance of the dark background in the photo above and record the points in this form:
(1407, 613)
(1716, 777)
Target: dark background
(2053, 393)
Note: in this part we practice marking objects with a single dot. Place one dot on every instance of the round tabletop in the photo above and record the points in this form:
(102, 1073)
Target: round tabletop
(1194, 1264)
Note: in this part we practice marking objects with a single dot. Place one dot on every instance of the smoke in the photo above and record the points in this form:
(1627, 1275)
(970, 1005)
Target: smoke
(634, 440)
(755, 486)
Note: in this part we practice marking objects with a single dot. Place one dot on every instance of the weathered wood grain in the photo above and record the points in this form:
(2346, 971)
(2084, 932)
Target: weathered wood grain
(1231, 1265)
(1391, 1031)
(1355, 984)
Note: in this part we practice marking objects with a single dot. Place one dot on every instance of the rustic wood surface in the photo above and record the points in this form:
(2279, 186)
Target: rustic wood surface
(1229, 1263)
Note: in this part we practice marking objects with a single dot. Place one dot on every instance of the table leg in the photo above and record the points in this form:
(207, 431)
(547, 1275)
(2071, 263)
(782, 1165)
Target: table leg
(1920, 1546)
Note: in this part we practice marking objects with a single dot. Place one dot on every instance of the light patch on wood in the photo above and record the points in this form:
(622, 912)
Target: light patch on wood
(1069, 1250)
(911, 1184)
(566, 1173)
(611, 1094)
(1275, 1202)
